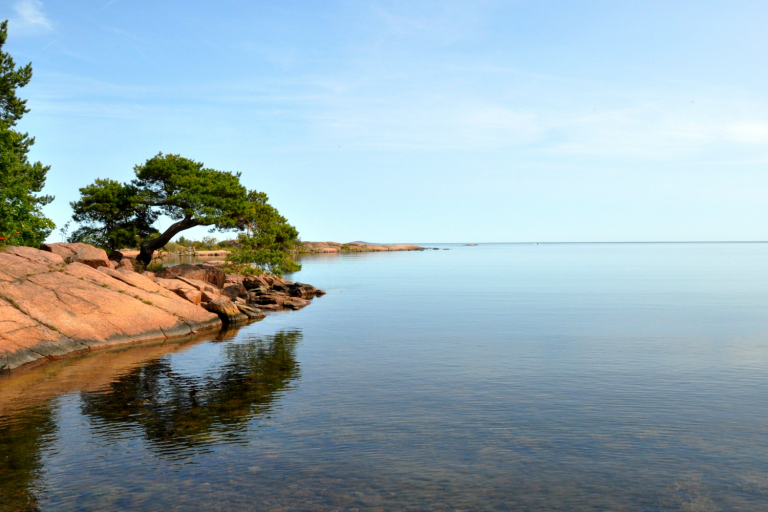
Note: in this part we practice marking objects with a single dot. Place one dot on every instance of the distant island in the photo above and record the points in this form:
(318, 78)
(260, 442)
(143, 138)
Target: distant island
(334, 247)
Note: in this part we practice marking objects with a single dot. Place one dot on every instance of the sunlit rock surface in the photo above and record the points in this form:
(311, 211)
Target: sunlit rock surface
(49, 308)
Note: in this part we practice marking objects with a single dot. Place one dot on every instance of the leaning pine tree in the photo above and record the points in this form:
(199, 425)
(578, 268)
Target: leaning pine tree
(112, 214)
(21, 218)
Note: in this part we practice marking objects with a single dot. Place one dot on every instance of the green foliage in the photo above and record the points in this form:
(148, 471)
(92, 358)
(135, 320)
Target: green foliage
(186, 242)
(112, 215)
(208, 243)
(172, 185)
(182, 188)
(21, 219)
(268, 241)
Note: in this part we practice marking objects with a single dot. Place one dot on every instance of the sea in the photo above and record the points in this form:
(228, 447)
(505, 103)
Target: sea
(531, 377)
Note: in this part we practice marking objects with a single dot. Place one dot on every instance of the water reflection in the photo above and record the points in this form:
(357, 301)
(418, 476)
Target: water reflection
(180, 414)
(24, 436)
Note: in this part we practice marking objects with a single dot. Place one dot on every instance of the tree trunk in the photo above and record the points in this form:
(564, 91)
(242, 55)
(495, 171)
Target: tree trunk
(148, 247)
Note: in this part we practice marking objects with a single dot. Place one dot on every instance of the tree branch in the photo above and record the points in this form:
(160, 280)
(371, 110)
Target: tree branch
(148, 247)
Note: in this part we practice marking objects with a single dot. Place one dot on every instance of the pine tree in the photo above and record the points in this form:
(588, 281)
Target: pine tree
(21, 219)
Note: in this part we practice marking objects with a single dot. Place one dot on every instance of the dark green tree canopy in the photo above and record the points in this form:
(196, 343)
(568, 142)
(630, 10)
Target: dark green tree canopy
(21, 219)
(12, 108)
(178, 187)
(184, 189)
(268, 240)
(111, 215)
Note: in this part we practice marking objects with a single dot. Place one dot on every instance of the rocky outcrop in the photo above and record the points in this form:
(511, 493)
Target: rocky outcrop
(265, 292)
(201, 272)
(335, 247)
(49, 308)
(55, 302)
(79, 253)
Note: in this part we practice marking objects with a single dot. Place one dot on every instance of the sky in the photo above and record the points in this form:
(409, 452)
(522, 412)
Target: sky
(418, 121)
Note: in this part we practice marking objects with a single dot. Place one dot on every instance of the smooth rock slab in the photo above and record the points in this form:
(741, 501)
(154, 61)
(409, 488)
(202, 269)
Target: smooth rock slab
(79, 253)
(50, 309)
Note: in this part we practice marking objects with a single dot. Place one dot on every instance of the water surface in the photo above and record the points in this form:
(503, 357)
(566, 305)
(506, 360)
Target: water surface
(497, 377)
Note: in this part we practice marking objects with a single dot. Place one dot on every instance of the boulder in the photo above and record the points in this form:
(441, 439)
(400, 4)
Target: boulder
(295, 303)
(252, 282)
(181, 289)
(304, 291)
(79, 253)
(33, 255)
(268, 299)
(233, 279)
(261, 290)
(234, 290)
(269, 280)
(280, 287)
(150, 275)
(208, 296)
(200, 285)
(191, 294)
(227, 311)
(252, 313)
(125, 264)
(207, 273)
(271, 307)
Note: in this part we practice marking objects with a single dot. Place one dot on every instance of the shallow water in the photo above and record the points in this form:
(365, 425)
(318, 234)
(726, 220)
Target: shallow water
(497, 377)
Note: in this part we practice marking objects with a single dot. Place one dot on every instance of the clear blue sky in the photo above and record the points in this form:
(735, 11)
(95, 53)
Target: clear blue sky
(418, 121)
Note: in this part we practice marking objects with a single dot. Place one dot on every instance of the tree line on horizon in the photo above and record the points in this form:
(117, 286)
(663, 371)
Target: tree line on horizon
(113, 215)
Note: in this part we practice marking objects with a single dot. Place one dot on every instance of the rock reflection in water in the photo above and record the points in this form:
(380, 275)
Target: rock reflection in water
(24, 436)
(181, 414)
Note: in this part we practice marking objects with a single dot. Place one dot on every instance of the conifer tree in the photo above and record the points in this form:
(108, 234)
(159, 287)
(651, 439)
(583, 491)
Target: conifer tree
(21, 218)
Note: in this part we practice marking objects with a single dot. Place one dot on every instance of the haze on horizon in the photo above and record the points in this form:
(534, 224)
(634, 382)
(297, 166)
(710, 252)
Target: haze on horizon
(393, 121)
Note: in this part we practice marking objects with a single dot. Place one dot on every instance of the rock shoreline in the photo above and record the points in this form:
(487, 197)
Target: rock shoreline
(70, 298)
(334, 247)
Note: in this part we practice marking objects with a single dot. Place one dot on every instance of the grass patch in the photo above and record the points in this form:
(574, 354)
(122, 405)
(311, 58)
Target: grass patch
(11, 302)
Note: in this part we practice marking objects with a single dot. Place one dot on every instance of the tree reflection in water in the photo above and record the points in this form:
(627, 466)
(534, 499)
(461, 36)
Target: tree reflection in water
(182, 414)
(24, 437)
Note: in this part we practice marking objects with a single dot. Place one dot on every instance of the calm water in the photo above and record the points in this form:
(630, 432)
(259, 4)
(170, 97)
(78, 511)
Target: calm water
(499, 377)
